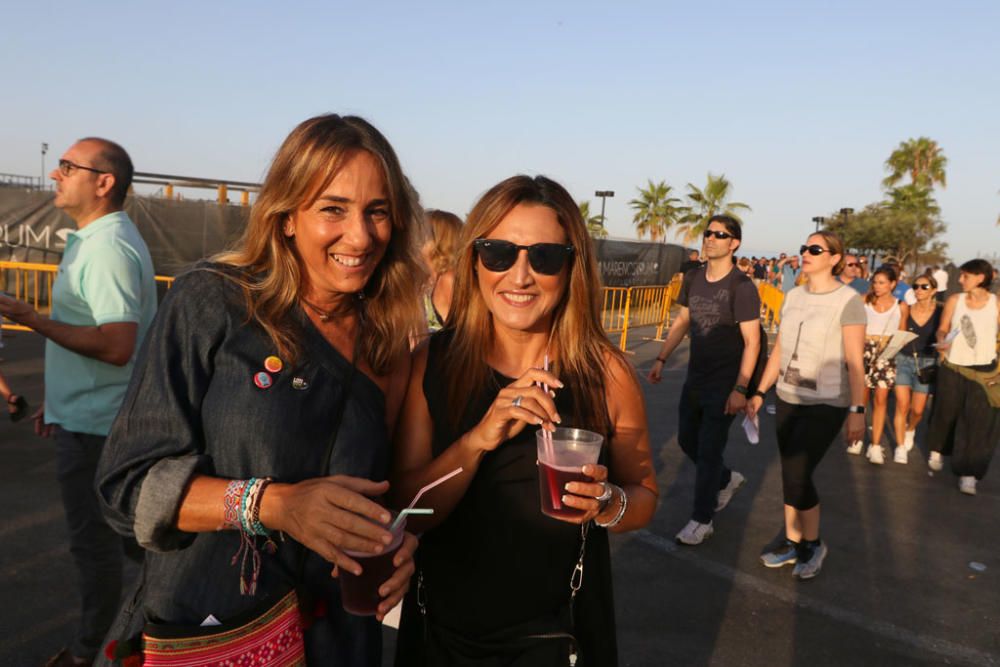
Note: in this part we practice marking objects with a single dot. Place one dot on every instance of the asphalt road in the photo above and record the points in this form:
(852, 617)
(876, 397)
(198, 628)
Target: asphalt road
(896, 589)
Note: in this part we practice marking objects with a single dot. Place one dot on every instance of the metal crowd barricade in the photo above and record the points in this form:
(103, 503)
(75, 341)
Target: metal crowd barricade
(32, 283)
(625, 307)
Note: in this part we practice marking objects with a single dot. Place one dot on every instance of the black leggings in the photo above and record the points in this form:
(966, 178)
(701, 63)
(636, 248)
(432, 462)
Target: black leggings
(804, 434)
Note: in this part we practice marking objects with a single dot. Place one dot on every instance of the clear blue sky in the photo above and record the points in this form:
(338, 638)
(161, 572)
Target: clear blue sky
(797, 103)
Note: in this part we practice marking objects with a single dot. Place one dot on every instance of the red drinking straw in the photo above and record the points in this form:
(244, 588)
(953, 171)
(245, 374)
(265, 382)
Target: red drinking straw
(555, 494)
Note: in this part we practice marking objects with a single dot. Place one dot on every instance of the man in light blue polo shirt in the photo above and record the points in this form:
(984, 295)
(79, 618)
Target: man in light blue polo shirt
(103, 301)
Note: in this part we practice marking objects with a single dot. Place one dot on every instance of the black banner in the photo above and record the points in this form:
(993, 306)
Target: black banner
(178, 233)
(632, 263)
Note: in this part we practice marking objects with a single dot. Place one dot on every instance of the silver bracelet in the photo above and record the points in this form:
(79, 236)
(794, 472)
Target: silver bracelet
(621, 510)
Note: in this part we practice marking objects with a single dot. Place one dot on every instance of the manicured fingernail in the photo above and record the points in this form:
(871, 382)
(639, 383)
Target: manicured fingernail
(558, 419)
(569, 486)
(565, 499)
(559, 384)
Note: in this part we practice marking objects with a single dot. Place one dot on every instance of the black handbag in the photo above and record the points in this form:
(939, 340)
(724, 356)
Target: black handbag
(927, 374)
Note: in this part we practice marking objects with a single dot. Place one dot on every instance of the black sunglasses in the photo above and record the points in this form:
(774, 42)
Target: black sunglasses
(66, 168)
(814, 250)
(545, 258)
(852, 264)
(922, 286)
(722, 236)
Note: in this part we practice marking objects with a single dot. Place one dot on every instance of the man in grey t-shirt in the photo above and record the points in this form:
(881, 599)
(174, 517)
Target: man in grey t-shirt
(720, 309)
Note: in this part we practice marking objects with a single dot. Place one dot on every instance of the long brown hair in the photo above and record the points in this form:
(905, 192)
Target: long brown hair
(446, 232)
(886, 270)
(308, 160)
(581, 349)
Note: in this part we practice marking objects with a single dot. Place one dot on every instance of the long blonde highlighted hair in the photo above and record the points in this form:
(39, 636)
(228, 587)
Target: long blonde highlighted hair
(446, 232)
(580, 348)
(269, 268)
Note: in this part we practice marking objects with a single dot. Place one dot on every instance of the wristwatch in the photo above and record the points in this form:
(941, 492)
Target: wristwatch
(741, 390)
(857, 409)
(760, 393)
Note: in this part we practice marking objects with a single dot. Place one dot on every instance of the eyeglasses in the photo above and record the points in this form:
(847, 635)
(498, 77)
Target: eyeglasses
(66, 168)
(922, 286)
(722, 236)
(814, 250)
(545, 258)
(852, 265)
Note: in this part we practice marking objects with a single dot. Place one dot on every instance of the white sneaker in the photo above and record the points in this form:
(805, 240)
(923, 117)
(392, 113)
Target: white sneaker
(726, 494)
(908, 439)
(856, 447)
(876, 455)
(900, 455)
(935, 462)
(695, 533)
(967, 485)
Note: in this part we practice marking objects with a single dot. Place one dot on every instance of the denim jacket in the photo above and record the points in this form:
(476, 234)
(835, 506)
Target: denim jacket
(192, 407)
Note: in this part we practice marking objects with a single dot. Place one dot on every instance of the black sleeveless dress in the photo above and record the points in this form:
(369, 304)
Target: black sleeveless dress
(497, 570)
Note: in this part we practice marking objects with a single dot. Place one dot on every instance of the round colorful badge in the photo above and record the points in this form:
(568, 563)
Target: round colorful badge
(273, 364)
(262, 380)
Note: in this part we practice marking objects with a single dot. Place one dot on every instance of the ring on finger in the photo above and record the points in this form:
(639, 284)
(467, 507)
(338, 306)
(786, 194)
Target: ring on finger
(516, 403)
(606, 494)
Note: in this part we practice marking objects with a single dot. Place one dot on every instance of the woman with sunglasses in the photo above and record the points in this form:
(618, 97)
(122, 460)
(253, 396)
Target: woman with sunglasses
(912, 391)
(494, 572)
(964, 423)
(885, 314)
(817, 367)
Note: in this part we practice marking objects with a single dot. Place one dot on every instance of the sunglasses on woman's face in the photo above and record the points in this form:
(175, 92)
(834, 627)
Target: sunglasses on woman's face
(722, 236)
(922, 286)
(545, 258)
(813, 250)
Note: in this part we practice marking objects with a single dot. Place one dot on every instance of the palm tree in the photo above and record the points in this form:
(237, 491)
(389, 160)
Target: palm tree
(595, 223)
(655, 210)
(922, 159)
(712, 200)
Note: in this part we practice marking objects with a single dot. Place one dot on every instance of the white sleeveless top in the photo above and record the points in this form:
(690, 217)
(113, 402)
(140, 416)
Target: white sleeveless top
(882, 324)
(976, 342)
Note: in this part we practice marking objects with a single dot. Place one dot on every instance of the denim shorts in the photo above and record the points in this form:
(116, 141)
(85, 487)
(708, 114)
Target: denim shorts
(906, 372)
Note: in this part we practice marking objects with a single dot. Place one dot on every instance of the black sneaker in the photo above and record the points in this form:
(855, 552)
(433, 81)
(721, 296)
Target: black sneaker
(785, 553)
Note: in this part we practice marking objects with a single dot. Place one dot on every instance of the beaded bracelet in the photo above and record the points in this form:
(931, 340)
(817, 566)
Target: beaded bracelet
(250, 507)
(621, 510)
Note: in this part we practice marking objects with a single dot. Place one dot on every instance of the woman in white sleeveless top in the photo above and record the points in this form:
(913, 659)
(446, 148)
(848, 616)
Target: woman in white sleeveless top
(884, 315)
(963, 423)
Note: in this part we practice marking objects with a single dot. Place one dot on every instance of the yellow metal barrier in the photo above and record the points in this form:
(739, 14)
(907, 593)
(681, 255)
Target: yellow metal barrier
(626, 307)
(771, 299)
(32, 283)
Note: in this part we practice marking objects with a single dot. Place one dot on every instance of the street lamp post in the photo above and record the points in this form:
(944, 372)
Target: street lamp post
(41, 179)
(603, 194)
(819, 220)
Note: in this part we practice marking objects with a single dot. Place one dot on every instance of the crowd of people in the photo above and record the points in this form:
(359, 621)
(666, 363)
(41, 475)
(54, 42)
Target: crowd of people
(253, 443)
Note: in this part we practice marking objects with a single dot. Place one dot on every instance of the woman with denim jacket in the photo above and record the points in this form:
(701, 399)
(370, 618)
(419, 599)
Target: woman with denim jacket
(232, 403)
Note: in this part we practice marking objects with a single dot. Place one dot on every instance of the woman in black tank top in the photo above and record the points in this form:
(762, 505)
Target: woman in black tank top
(494, 572)
(911, 393)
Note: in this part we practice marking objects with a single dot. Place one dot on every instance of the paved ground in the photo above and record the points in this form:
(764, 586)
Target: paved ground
(897, 588)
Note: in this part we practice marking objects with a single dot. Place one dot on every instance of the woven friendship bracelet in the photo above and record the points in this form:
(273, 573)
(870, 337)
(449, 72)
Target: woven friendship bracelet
(231, 502)
(255, 524)
(244, 502)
